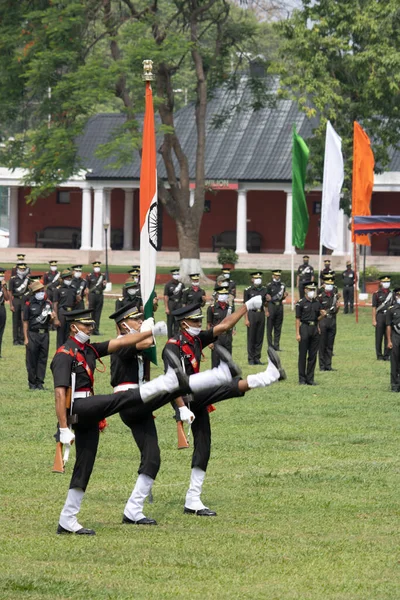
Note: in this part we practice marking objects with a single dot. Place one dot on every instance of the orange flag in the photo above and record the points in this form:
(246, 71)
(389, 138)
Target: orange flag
(363, 179)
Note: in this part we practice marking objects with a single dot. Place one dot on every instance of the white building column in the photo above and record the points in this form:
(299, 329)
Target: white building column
(343, 221)
(191, 198)
(289, 224)
(86, 224)
(128, 220)
(98, 219)
(13, 195)
(107, 216)
(241, 222)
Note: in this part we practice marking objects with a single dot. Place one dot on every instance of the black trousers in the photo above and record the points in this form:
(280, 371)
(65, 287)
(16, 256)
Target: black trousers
(37, 353)
(145, 435)
(224, 340)
(395, 363)
(3, 320)
(18, 334)
(255, 335)
(380, 335)
(274, 324)
(327, 327)
(96, 302)
(308, 348)
(348, 298)
(62, 331)
(172, 324)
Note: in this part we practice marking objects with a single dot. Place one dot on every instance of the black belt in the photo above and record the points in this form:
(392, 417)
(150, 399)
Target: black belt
(39, 330)
(256, 310)
(278, 303)
(308, 322)
(349, 285)
(67, 308)
(96, 292)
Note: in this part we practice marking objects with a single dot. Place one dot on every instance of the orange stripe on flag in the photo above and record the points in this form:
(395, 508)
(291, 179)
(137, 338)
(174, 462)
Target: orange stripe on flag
(148, 166)
(363, 180)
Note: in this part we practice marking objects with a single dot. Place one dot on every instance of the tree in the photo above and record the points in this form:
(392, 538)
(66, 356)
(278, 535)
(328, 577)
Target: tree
(341, 61)
(89, 53)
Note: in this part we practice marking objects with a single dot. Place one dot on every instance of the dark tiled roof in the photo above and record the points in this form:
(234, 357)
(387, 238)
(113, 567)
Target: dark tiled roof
(249, 146)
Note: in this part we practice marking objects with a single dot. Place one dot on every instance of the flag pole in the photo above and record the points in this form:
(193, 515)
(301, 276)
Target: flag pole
(292, 278)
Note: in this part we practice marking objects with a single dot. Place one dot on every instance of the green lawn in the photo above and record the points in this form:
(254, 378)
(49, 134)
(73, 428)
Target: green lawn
(305, 482)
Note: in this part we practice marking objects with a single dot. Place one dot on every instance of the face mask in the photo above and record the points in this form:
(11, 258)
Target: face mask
(193, 331)
(20, 273)
(68, 282)
(136, 279)
(311, 294)
(39, 295)
(128, 329)
(176, 277)
(257, 281)
(131, 291)
(386, 285)
(81, 336)
(96, 269)
(276, 279)
(329, 288)
(223, 297)
(53, 269)
(226, 275)
(77, 274)
(195, 284)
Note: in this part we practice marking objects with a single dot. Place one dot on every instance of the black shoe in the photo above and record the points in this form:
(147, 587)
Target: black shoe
(312, 383)
(250, 362)
(380, 358)
(323, 369)
(274, 358)
(330, 369)
(15, 343)
(176, 364)
(395, 389)
(144, 521)
(386, 358)
(302, 383)
(81, 531)
(203, 512)
(40, 386)
(259, 362)
(226, 357)
(32, 387)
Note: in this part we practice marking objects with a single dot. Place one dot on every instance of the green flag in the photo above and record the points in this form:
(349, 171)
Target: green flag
(300, 217)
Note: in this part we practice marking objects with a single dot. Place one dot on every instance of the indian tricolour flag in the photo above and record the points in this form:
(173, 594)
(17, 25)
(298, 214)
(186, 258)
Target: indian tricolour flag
(148, 210)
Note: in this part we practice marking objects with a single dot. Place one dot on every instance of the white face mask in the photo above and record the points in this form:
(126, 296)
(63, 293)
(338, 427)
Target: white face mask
(329, 288)
(52, 268)
(311, 294)
(257, 281)
(68, 282)
(223, 297)
(131, 291)
(226, 275)
(96, 269)
(39, 295)
(386, 285)
(21, 273)
(129, 329)
(176, 277)
(81, 336)
(193, 331)
(77, 274)
(276, 279)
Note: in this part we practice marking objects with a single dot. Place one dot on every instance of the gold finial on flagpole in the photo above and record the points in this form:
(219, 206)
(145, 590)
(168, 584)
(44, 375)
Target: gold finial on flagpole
(147, 68)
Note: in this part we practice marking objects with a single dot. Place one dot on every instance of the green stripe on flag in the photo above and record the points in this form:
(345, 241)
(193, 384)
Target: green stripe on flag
(150, 353)
(300, 216)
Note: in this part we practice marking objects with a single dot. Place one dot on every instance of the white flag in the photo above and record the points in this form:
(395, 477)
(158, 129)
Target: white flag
(331, 188)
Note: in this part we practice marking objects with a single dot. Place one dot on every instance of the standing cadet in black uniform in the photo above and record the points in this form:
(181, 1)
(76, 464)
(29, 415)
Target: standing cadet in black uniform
(305, 274)
(130, 294)
(4, 297)
(95, 286)
(216, 313)
(65, 301)
(329, 302)
(80, 286)
(349, 281)
(326, 271)
(255, 319)
(308, 313)
(38, 312)
(194, 294)
(19, 292)
(51, 279)
(225, 277)
(173, 291)
(276, 293)
(20, 261)
(393, 340)
(87, 410)
(382, 299)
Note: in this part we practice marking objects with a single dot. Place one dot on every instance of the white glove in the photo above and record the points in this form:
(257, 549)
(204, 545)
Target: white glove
(66, 435)
(254, 303)
(160, 328)
(147, 325)
(186, 415)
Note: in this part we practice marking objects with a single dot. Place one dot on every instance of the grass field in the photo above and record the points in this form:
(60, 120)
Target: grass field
(305, 482)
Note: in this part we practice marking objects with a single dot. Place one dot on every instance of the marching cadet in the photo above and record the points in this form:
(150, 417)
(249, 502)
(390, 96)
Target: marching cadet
(255, 319)
(173, 292)
(382, 299)
(38, 312)
(393, 340)
(95, 286)
(276, 293)
(326, 271)
(4, 297)
(65, 301)
(216, 313)
(349, 281)
(329, 302)
(308, 314)
(305, 274)
(20, 261)
(194, 294)
(80, 286)
(19, 292)
(51, 279)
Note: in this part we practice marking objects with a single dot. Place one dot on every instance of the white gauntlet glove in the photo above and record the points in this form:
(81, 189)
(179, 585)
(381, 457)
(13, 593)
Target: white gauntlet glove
(66, 435)
(254, 303)
(160, 328)
(186, 415)
(147, 325)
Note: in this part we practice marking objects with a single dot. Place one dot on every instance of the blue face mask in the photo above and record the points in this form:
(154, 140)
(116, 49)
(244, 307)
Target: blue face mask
(39, 295)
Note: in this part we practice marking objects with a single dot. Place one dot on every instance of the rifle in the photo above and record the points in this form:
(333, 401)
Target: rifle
(182, 439)
(59, 459)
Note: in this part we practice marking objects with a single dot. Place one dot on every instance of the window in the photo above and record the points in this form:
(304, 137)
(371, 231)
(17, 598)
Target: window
(316, 208)
(63, 197)
(207, 206)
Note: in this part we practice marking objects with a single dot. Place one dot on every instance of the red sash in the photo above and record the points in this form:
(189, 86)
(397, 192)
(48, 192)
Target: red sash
(81, 358)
